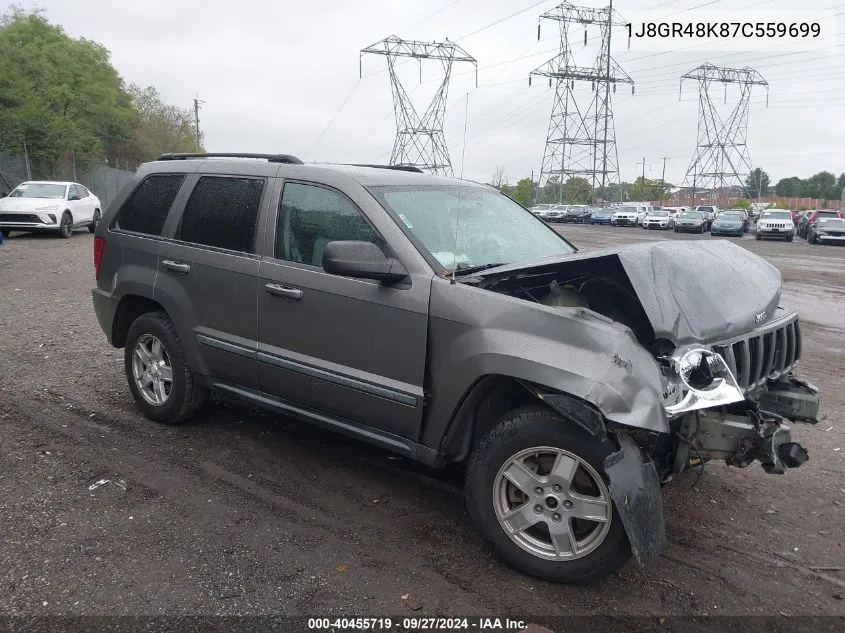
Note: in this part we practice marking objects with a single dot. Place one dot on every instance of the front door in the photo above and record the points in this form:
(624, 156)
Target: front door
(208, 271)
(351, 348)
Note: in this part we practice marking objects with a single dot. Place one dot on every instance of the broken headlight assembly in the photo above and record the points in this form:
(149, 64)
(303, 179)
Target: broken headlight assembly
(696, 377)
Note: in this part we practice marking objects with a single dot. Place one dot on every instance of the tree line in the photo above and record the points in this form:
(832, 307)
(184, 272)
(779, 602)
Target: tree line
(823, 185)
(61, 99)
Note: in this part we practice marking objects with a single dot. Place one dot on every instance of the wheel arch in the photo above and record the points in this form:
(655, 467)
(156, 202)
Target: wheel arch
(493, 395)
(130, 307)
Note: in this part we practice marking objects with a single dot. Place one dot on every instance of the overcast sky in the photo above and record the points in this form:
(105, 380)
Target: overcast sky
(282, 76)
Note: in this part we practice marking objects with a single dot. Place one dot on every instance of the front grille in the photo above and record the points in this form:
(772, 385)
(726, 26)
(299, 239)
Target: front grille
(763, 355)
(776, 225)
(20, 217)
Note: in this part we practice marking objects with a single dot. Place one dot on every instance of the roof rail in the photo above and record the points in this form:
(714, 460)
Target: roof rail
(416, 170)
(272, 158)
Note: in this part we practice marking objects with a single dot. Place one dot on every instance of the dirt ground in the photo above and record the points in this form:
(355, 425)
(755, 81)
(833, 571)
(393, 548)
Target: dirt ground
(245, 512)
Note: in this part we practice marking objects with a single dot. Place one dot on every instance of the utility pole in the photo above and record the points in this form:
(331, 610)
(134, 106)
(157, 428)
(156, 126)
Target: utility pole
(581, 141)
(663, 178)
(419, 139)
(643, 180)
(197, 103)
(721, 162)
(26, 160)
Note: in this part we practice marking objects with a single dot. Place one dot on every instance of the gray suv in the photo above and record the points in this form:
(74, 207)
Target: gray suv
(439, 319)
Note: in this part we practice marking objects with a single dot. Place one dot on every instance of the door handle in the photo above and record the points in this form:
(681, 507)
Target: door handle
(176, 267)
(283, 291)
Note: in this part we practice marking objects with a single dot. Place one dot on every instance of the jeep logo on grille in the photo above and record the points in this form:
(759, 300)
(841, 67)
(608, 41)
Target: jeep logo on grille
(760, 317)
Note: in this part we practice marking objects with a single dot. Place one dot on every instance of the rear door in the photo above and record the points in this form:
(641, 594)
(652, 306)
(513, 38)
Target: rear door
(352, 348)
(208, 269)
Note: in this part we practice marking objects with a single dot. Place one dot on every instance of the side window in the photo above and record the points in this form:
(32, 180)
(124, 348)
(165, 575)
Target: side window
(146, 209)
(310, 217)
(223, 212)
(72, 191)
(83, 192)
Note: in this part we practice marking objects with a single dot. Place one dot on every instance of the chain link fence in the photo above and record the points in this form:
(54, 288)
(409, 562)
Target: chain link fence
(105, 182)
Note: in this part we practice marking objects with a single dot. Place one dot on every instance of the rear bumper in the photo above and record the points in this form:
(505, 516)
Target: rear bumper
(105, 306)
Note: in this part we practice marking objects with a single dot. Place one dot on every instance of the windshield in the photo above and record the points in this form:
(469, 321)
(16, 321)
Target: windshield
(691, 215)
(38, 190)
(705, 209)
(465, 227)
(776, 215)
(733, 217)
(659, 214)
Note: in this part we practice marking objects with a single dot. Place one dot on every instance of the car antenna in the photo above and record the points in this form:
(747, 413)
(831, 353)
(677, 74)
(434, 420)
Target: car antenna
(461, 188)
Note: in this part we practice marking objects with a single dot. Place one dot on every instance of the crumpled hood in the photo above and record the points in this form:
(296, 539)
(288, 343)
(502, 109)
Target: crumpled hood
(691, 291)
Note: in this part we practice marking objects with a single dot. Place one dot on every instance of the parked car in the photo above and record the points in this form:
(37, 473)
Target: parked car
(690, 222)
(709, 212)
(58, 207)
(557, 213)
(658, 219)
(577, 214)
(540, 210)
(602, 216)
(827, 231)
(777, 223)
(796, 216)
(746, 218)
(570, 384)
(811, 217)
(728, 223)
(629, 215)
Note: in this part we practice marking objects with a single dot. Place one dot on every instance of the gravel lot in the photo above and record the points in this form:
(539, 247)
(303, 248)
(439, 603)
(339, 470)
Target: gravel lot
(243, 512)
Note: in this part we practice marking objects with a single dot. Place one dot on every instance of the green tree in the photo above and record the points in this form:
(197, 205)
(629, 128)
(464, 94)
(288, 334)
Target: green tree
(577, 191)
(523, 192)
(742, 203)
(161, 128)
(59, 94)
(790, 187)
(645, 189)
(757, 183)
(615, 192)
(822, 185)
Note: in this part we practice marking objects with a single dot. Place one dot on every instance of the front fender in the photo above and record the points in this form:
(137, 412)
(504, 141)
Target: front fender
(570, 350)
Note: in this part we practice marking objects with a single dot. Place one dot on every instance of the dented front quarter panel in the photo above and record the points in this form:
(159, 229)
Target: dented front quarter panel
(474, 333)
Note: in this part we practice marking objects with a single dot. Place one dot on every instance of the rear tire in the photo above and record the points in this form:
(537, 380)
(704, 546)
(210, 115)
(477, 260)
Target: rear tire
(757, 236)
(184, 395)
(94, 222)
(5, 232)
(600, 546)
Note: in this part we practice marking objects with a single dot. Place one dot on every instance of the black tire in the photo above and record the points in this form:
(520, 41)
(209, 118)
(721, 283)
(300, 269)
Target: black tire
(789, 238)
(5, 232)
(522, 429)
(94, 222)
(186, 395)
(66, 225)
(677, 230)
(757, 236)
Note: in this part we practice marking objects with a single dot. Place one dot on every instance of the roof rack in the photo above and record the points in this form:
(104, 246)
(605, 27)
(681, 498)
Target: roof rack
(416, 170)
(272, 158)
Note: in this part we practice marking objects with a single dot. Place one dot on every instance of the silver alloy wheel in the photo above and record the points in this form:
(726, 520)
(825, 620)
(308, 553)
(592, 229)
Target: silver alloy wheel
(152, 370)
(552, 503)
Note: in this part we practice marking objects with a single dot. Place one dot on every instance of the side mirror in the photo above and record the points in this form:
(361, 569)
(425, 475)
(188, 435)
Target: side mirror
(73, 196)
(363, 260)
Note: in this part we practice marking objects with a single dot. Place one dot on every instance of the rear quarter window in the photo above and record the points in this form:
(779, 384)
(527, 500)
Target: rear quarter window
(147, 207)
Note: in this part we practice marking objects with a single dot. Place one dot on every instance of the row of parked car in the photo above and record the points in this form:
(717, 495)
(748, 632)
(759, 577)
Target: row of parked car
(817, 226)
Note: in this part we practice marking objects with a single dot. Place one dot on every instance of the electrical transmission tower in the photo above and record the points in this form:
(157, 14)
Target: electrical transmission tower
(721, 163)
(419, 139)
(581, 141)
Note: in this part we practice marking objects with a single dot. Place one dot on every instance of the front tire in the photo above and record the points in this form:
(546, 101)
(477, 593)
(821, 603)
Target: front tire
(94, 222)
(162, 383)
(537, 493)
(5, 232)
(66, 225)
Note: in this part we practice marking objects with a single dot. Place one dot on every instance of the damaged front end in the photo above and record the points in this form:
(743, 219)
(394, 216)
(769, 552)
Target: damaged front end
(732, 401)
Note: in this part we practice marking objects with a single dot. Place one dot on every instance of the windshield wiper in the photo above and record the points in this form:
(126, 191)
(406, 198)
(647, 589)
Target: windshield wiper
(468, 270)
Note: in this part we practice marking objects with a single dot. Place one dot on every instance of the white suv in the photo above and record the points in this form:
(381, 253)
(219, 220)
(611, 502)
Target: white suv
(630, 214)
(49, 206)
(659, 219)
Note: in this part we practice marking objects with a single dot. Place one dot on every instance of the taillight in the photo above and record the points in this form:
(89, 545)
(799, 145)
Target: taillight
(99, 246)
